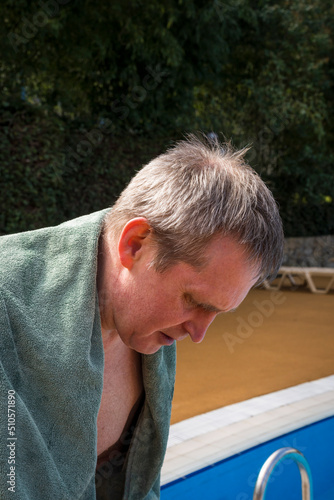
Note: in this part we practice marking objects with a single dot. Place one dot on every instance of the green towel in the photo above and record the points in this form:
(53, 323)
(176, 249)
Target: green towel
(51, 372)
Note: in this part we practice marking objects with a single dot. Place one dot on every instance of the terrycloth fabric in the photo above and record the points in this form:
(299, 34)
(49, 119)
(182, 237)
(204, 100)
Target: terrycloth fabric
(51, 372)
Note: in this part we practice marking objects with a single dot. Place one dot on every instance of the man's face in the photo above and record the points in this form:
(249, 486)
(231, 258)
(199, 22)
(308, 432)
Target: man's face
(154, 309)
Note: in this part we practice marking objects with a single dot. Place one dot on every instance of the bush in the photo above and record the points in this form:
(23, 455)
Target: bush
(48, 174)
(54, 169)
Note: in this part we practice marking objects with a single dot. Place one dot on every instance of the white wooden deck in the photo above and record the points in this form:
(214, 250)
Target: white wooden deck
(306, 274)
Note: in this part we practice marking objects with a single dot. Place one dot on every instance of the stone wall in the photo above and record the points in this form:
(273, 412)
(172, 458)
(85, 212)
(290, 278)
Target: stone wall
(314, 251)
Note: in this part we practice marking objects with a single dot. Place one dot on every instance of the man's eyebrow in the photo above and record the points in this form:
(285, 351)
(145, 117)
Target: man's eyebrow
(207, 307)
(211, 308)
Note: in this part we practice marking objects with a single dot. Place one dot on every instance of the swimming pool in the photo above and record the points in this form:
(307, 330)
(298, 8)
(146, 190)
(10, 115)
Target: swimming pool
(218, 455)
(234, 478)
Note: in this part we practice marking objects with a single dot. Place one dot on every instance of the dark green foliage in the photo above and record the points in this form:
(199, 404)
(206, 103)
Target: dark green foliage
(108, 85)
(44, 179)
(31, 170)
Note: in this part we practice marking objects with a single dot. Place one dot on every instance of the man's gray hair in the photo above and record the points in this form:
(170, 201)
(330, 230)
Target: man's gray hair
(199, 189)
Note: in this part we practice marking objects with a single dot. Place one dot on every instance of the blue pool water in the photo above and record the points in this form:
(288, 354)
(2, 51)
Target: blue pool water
(234, 478)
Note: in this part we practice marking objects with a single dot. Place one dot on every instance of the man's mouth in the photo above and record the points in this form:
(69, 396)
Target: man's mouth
(166, 339)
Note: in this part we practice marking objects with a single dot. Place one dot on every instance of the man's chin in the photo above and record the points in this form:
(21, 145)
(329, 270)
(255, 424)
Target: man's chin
(160, 340)
(146, 350)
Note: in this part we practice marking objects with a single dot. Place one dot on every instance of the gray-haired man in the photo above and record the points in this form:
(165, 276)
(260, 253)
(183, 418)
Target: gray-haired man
(92, 310)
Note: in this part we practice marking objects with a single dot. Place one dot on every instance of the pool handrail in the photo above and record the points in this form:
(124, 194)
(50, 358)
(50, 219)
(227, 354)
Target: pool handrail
(271, 462)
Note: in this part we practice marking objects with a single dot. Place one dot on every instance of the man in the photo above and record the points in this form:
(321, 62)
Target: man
(91, 311)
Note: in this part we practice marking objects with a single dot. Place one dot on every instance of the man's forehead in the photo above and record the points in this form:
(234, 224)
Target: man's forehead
(222, 284)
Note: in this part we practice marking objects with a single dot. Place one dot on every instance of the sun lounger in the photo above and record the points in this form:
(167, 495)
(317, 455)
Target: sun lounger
(306, 274)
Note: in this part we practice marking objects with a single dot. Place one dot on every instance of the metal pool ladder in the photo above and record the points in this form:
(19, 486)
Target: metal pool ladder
(275, 459)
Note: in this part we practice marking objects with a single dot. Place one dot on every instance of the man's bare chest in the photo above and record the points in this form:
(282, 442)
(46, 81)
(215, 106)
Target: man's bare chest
(122, 387)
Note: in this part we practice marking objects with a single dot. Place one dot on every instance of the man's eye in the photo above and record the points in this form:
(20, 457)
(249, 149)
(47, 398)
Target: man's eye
(189, 300)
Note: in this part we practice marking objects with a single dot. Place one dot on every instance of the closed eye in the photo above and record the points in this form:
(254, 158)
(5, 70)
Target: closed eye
(206, 307)
(189, 300)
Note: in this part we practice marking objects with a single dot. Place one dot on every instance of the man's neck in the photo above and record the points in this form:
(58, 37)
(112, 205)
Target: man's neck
(105, 275)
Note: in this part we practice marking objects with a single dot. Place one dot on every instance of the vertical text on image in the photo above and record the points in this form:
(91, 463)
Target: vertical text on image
(11, 441)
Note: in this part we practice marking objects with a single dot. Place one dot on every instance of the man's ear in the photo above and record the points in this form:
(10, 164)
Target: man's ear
(132, 240)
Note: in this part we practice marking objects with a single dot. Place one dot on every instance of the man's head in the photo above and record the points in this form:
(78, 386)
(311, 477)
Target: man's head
(188, 238)
(198, 190)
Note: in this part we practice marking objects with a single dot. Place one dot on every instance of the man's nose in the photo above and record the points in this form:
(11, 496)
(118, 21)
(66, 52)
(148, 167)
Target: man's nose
(198, 325)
